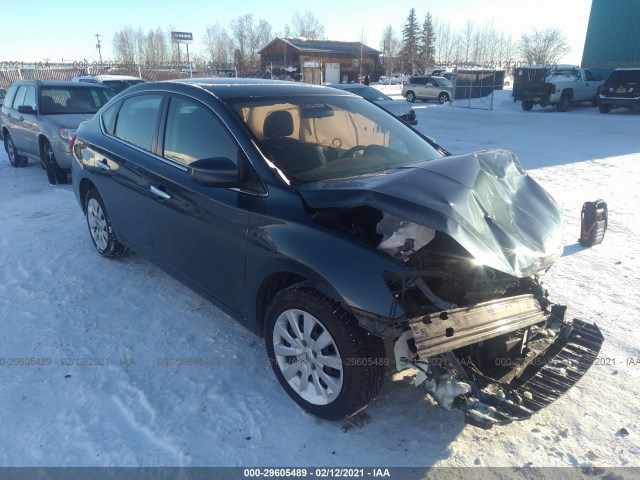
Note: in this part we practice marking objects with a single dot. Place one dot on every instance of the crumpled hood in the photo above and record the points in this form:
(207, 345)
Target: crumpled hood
(484, 200)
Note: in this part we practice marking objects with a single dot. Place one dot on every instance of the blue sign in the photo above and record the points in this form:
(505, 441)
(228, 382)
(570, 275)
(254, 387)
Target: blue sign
(182, 37)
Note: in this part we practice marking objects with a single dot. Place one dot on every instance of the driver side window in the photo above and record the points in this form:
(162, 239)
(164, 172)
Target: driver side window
(194, 133)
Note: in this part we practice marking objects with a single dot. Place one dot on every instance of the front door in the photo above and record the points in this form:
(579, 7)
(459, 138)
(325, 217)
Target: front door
(199, 232)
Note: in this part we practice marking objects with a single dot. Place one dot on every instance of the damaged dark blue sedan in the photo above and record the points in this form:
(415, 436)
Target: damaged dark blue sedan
(348, 240)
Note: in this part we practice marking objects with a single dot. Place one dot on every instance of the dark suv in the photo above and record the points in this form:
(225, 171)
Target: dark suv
(621, 89)
(38, 118)
(328, 225)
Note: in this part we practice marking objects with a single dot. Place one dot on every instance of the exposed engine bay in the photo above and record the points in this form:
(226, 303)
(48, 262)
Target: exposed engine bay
(476, 324)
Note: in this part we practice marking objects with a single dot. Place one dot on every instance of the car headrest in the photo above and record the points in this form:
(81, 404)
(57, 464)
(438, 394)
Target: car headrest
(278, 124)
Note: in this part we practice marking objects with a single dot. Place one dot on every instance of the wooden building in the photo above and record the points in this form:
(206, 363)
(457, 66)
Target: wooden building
(319, 61)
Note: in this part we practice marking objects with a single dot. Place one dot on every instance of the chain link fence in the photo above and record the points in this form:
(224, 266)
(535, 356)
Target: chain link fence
(476, 85)
(64, 73)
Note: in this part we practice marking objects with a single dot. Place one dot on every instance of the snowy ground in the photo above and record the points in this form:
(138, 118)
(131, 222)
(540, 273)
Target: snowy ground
(62, 303)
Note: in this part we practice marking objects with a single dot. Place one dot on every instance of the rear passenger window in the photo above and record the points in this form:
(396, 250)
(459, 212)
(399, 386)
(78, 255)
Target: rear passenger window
(194, 133)
(137, 120)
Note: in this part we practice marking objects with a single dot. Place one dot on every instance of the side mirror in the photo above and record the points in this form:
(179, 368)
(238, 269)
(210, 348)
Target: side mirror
(28, 109)
(215, 172)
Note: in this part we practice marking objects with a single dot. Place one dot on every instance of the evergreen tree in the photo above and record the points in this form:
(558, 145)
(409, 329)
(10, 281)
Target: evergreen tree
(409, 52)
(427, 51)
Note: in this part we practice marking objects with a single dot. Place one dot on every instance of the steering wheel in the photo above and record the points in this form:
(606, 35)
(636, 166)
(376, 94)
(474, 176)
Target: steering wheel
(351, 152)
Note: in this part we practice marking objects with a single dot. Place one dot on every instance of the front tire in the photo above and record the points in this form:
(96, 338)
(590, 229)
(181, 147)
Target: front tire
(55, 174)
(604, 108)
(100, 229)
(443, 97)
(411, 97)
(323, 359)
(15, 160)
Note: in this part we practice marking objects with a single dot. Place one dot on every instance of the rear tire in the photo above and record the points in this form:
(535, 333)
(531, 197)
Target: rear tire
(324, 360)
(100, 229)
(15, 160)
(411, 97)
(527, 106)
(604, 108)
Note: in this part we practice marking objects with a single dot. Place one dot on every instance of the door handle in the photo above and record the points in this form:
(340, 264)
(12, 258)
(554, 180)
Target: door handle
(102, 164)
(159, 192)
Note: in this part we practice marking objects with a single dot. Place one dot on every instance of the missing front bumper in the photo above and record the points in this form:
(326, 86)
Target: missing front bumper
(550, 357)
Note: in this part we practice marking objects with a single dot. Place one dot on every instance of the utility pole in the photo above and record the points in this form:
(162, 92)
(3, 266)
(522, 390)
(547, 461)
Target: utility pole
(97, 35)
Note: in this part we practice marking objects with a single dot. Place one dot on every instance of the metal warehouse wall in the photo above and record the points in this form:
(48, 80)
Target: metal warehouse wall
(613, 36)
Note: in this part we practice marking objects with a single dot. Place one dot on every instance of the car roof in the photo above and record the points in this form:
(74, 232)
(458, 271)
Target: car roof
(228, 88)
(62, 83)
(108, 77)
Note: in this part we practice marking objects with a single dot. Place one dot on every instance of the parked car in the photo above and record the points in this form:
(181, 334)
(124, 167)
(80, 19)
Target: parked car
(117, 82)
(428, 88)
(328, 225)
(392, 80)
(620, 89)
(39, 116)
(397, 108)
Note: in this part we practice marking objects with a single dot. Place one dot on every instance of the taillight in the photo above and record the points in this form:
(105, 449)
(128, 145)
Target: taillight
(601, 90)
(553, 88)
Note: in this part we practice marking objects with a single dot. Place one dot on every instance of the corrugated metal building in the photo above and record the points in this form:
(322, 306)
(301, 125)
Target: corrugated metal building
(613, 36)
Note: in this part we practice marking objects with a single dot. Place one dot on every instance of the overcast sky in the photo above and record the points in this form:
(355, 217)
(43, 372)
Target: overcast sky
(39, 30)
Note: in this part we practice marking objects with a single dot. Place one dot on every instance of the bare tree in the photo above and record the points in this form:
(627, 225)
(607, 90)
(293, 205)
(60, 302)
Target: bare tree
(543, 47)
(444, 44)
(248, 39)
(125, 46)
(218, 46)
(465, 40)
(156, 50)
(305, 25)
(390, 46)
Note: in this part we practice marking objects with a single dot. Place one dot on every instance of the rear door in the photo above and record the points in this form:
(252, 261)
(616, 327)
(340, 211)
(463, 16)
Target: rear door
(421, 87)
(121, 169)
(199, 232)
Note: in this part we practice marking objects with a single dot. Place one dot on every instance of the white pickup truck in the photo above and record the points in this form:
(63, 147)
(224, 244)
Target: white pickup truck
(562, 85)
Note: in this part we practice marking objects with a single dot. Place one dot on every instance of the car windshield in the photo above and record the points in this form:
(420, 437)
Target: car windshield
(120, 85)
(326, 137)
(70, 100)
(444, 82)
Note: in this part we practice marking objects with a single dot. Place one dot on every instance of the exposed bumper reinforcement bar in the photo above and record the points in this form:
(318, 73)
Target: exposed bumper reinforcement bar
(445, 331)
